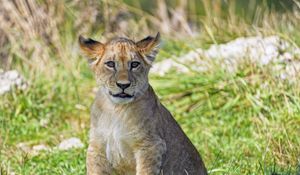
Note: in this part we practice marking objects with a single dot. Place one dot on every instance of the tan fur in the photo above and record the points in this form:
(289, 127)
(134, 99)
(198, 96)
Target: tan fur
(134, 135)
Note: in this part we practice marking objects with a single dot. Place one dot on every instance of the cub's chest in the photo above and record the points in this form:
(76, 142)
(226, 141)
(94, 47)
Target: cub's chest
(117, 134)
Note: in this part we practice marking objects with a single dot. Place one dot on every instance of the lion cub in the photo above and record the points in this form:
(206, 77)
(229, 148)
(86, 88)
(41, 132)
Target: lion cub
(131, 131)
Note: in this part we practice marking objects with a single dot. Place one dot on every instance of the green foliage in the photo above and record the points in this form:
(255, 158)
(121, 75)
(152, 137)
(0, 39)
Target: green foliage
(242, 123)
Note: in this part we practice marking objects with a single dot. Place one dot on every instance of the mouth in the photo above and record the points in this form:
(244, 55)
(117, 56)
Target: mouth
(121, 95)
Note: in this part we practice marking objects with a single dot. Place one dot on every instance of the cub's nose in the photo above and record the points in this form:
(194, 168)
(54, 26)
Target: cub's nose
(123, 85)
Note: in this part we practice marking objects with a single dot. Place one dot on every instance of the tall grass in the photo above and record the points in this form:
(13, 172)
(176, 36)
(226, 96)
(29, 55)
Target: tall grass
(43, 34)
(249, 115)
(242, 123)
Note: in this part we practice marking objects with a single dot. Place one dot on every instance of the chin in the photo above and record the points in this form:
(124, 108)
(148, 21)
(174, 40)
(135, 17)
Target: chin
(120, 97)
(119, 100)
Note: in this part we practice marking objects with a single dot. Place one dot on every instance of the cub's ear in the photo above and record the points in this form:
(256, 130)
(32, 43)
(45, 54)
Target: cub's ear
(149, 47)
(91, 48)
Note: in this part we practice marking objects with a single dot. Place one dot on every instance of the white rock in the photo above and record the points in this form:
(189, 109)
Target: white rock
(11, 79)
(4, 88)
(70, 143)
(166, 66)
(24, 147)
(258, 50)
(40, 148)
(12, 75)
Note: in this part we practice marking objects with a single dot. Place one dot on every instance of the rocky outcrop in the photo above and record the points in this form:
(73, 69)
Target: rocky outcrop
(283, 56)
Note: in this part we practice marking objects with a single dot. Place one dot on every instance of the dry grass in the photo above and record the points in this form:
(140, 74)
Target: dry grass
(40, 31)
(243, 134)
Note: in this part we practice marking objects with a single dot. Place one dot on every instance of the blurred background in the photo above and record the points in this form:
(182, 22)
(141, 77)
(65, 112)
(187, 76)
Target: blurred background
(227, 70)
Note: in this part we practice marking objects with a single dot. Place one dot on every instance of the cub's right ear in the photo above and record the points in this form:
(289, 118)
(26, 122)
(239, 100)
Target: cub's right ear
(91, 48)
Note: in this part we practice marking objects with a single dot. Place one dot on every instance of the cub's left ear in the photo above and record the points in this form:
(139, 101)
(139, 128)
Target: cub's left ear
(149, 47)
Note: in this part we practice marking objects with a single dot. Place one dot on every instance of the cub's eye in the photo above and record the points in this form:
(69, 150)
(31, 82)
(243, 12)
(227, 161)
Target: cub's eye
(110, 64)
(135, 64)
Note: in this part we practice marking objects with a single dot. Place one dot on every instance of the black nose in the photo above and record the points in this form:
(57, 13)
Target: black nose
(123, 86)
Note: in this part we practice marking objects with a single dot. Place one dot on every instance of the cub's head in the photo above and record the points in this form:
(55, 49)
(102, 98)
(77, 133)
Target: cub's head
(121, 66)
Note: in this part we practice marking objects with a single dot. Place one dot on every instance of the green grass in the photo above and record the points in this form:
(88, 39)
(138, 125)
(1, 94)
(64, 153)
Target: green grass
(242, 123)
(54, 162)
(239, 125)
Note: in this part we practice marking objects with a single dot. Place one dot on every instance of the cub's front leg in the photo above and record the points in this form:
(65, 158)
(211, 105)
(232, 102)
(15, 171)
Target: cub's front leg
(96, 161)
(149, 158)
